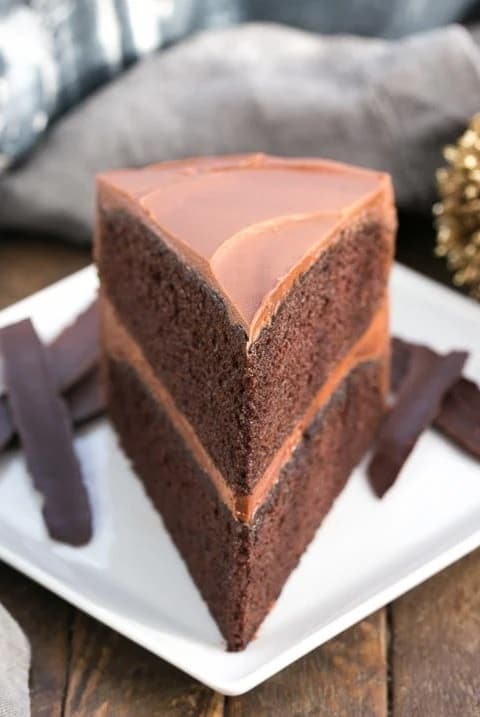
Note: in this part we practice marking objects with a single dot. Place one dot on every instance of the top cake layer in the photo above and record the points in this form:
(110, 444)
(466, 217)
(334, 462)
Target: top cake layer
(251, 223)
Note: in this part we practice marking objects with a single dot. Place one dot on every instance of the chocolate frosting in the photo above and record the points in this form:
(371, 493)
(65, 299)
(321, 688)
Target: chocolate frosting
(250, 223)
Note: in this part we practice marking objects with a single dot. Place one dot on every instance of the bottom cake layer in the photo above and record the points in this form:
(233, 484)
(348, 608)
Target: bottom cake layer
(241, 568)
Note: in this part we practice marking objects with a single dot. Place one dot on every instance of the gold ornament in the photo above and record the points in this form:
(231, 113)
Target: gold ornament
(457, 214)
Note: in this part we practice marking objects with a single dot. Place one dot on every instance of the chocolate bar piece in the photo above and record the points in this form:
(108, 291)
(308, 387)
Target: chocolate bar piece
(75, 350)
(86, 399)
(401, 352)
(7, 430)
(459, 415)
(72, 354)
(45, 432)
(429, 377)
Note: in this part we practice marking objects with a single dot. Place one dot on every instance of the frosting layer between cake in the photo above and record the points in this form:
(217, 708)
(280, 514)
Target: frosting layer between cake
(120, 346)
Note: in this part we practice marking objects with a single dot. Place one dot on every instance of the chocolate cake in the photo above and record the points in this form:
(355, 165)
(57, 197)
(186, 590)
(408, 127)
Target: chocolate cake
(244, 328)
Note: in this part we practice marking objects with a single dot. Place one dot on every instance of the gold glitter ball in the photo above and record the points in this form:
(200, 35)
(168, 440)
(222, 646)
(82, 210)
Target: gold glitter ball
(457, 214)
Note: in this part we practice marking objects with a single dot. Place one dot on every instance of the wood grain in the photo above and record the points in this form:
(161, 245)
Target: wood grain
(112, 677)
(436, 645)
(46, 620)
(346, 677)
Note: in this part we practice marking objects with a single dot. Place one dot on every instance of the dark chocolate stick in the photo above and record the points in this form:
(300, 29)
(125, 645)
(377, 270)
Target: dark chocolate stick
(428, 378)
(72, 354)
(7, 430)
(401, 351)
(85, 400)
(75, 350)
(45, 432)
(459, 415)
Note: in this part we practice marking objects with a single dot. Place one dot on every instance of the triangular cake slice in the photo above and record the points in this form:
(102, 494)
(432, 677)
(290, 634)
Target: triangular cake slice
(245, 341)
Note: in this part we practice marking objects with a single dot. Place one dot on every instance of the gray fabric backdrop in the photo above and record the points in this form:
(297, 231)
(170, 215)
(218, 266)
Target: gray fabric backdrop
(54, 52)
(384, 104)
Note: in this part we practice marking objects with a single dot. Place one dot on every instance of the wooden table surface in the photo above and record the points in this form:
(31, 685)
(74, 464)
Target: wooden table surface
(419, 657)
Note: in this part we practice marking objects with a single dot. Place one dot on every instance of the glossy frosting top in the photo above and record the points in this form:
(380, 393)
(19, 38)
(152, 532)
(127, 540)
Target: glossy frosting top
(253, 222)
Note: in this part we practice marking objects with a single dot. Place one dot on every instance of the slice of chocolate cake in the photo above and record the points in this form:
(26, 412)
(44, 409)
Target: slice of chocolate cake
(246, 351)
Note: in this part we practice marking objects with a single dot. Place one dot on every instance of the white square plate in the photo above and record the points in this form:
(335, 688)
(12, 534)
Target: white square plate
(366, 553)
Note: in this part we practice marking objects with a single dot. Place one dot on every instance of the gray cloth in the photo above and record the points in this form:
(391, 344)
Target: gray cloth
(14, 668)
(380, 18)
(76, 46)
(391, 105)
